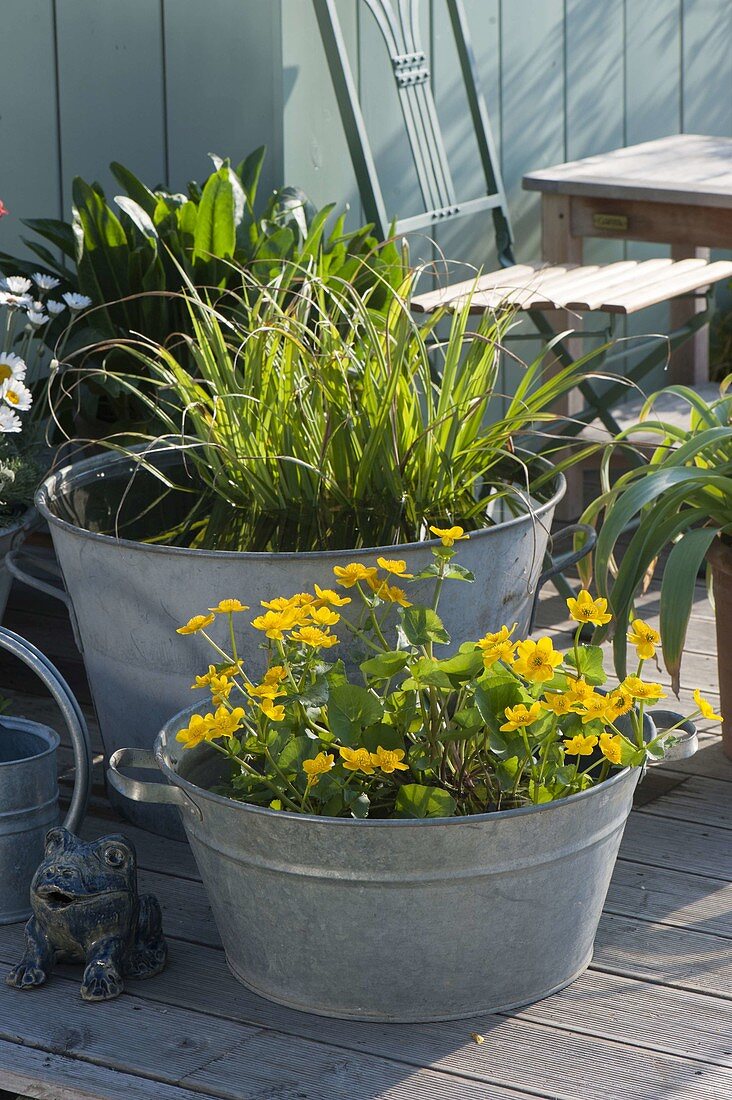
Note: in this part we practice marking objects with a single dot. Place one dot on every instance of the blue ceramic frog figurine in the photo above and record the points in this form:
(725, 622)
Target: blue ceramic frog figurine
(86, 909)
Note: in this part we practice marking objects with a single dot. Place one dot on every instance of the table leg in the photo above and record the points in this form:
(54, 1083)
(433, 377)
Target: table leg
(559, 246)
(690, 363)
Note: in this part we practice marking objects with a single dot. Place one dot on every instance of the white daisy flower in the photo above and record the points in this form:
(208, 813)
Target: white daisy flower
(11, 367)
(14, 301)
(37, 318)
(9, 421)
(76, 302)
(45, 282)
(54, 307)
(37, 307)
(18, 396)
(17, 284)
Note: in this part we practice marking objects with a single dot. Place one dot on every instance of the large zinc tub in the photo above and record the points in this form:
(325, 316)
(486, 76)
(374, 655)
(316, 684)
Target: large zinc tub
(394, 920)
(127, 598)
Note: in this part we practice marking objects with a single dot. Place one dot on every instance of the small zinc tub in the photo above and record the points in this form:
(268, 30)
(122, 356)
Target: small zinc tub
(394, 920)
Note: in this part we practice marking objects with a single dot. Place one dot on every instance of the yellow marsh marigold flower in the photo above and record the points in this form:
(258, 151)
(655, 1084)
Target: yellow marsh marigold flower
(274, 711)
(314, 637)
(578, 690)
(348, 575)
(228, 607)
(326, 596)
(275, 674)
(220, 688)
(318, 766)
(198, 622)
(449, 535)
(584, 609)
(225, 722)
(580, 745)
(558, 702)
(389, 593)
(275, 623)
(196, 731)
(204, 681)
(619, 702)
(520, 716)
(594, 707)
(389, 760)
(537, 660)
(639, 689)
(644, 638)
(706, 708)
(357, 760)
(265, 690)
(396, 566)
(611, 747)
(323, 616)
(497, 647)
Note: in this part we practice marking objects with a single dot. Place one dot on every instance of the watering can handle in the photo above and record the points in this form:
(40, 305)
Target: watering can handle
(14, 566)
(72, 715)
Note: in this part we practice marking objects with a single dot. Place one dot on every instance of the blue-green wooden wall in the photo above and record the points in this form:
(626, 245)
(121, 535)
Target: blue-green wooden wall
(158, 84)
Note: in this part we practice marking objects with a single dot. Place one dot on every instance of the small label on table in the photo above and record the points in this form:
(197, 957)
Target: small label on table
(609, 221)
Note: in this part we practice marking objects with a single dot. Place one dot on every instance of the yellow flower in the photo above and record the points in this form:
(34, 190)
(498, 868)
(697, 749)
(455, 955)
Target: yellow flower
(520, 716)
(618, 702)
(275, 623)
(537, 660)
(497, 647)
(274, 711)
(225, 722)
(323, 616)
(580, 745)
(204, 681)
(706, 708)
(594, 706)
(389, 593)
(328, 596)
(578, 691)
(357, 760)
(449, 535)
(318, 766)
(558, 703)
(265, 690)
(586, 610)
(196, 731)
(314, 637)
(291, 604)
(611, 747)
(644, 638)
(228, 607)
(348, 575)
(198, 622)
(396, 566)
(220, 688)
(639, 689)
(275, 674)
(389, 760)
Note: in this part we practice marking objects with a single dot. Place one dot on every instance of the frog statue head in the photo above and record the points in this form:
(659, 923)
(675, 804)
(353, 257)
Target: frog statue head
(86, 909)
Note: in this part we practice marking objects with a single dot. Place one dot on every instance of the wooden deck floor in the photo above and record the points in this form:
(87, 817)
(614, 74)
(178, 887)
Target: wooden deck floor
(651, 1019)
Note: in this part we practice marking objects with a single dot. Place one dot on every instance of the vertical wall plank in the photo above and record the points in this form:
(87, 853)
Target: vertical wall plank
(707, 61)
(470, 241)
(29, 168)
(316, 153)
(224, 85)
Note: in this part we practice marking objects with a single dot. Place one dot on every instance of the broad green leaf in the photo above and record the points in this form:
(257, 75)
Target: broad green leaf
(506, 772)
(350, 710)
(215, 234)
(426, 672)
(463, 666)
(677, 595)
(493, 696)
(295, 751)
(422, 625)
(381, 734)
(589, 663)
(140, 217)
(415, 800)
(384, 666)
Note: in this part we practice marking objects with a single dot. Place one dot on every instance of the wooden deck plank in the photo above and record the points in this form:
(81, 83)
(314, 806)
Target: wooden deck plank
(680, 845)
(46, 1076)
(702, 800)
(671, 897)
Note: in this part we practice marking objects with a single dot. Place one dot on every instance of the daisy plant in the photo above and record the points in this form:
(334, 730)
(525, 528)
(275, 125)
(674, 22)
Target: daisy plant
(500, 722)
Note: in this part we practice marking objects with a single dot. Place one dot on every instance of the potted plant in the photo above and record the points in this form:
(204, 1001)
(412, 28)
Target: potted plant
(679, 496)
(430, 838)
(311, 424)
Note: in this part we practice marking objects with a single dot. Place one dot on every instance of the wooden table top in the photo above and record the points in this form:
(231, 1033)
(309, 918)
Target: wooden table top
(688, 169)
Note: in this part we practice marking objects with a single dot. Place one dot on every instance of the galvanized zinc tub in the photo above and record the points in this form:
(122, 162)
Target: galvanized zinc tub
(11, 537)
(394, 920)
(127, 598)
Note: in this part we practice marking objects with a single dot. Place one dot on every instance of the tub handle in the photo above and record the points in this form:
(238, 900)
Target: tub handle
(14, 560)
(566, 561)
(135, 789)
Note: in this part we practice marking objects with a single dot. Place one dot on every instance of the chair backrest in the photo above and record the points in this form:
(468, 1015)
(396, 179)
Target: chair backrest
(398, 21)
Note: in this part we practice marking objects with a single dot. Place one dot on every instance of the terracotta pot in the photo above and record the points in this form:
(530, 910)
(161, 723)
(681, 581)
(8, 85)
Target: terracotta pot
(720, 559)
